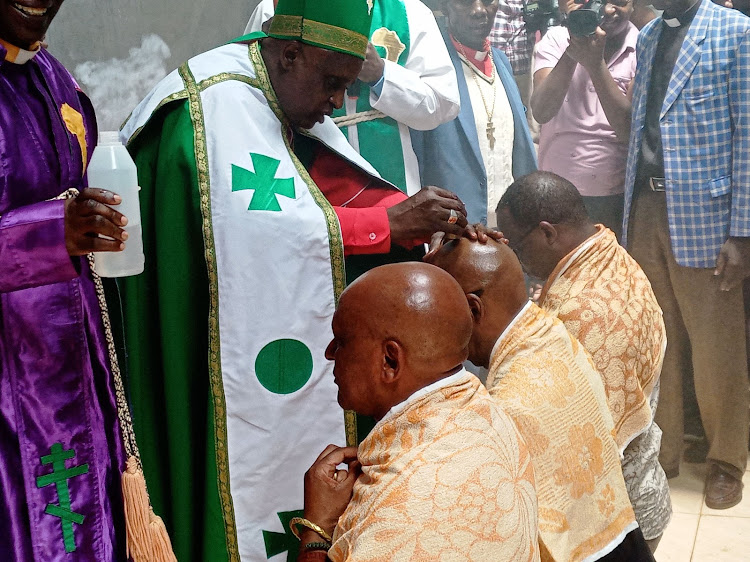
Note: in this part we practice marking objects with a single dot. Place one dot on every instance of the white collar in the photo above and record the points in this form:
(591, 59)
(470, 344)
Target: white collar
(437, 385)
(16, 55)
(509, 328)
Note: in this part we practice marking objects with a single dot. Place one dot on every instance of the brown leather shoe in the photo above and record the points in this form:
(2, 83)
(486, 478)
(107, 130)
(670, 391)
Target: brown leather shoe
(723, 490)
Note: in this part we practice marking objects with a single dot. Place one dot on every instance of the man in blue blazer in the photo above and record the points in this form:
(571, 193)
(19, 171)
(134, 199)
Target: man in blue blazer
(488, 146)
(687, 221)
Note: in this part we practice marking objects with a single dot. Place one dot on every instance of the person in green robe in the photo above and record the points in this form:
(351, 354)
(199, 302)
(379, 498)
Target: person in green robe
(253, 203)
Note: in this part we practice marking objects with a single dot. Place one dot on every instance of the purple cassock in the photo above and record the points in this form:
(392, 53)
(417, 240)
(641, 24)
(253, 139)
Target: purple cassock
(61, 453)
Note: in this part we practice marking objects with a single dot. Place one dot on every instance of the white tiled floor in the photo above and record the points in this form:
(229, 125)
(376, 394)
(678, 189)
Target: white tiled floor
(699, 534)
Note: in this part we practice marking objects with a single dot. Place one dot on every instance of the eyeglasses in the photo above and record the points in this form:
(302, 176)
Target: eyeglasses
(516, 247)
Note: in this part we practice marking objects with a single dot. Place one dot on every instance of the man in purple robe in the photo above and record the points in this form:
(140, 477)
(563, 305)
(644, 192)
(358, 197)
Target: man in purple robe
(61, 453)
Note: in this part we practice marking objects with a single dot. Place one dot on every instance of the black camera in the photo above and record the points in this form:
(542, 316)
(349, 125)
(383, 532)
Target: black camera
(540, 15)
(584, 21)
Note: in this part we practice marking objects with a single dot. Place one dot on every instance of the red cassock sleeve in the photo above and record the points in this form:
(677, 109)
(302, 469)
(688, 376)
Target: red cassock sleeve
(360, 202)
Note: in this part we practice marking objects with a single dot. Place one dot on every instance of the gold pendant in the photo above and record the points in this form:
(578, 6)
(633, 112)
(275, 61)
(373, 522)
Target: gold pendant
(491, 134)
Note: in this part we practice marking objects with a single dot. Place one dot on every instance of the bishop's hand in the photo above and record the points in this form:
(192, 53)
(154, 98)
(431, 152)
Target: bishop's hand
(474, 232)
(425, 213)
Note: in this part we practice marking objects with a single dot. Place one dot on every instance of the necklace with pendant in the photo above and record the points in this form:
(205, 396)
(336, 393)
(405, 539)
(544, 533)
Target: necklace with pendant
(490, 111)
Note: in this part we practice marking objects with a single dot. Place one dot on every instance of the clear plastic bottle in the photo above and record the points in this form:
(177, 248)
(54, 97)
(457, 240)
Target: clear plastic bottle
(112, 168)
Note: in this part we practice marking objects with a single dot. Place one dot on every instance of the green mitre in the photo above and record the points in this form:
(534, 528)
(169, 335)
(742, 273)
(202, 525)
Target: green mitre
(337, 25)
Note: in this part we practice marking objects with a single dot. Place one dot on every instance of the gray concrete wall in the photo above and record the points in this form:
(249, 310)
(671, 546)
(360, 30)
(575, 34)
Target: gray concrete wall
(118, 49)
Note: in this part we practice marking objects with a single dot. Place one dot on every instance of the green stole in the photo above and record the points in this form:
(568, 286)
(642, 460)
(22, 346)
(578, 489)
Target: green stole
(379, 139)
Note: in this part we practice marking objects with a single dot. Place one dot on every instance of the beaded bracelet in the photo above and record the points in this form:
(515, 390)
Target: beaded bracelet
(310, 525)
(317, 546)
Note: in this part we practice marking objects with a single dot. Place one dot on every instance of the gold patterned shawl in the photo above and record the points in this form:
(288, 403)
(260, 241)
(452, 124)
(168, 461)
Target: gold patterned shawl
(605, 300)
(545, 380)
(445, 477)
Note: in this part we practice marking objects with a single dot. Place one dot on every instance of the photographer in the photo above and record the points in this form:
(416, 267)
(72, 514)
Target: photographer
(582, 99)
(514, 33)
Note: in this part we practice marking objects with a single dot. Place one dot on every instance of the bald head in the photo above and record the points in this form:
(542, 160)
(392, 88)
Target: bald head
(398, 328)
(479, 266)
(492, 280)
(416, 303)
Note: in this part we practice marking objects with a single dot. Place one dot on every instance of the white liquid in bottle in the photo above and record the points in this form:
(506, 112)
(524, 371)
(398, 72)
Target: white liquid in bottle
(113, 169)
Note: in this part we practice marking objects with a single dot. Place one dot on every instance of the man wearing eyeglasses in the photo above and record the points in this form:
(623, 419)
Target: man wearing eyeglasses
(605, 301)
(581, 97)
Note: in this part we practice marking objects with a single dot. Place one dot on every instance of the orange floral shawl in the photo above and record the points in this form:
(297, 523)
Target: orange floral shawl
(605, 300)
(445, 477)
(545, 380)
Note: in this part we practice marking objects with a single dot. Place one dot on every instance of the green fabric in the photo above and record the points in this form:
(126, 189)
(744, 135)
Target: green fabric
(340, 25)
(305, 149)
(250, 37)
(380, 139)
(165, 311)
(358, 265)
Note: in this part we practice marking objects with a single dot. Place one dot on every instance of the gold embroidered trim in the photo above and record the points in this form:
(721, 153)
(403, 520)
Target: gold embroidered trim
(224, 77)
(320, 33)
(182, 94)
(286, 25)
(214, 345)
(123, 409)
(336, 242)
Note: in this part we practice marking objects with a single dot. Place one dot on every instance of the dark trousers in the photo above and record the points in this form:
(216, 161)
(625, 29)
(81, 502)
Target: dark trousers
(632, 549)
(705, 331)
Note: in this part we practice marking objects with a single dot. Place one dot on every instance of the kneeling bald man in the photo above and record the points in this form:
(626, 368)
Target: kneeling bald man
(545, 380)
(444, 473)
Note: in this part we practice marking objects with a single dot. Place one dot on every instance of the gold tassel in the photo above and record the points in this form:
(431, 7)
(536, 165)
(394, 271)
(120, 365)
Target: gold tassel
(146, 536)
(161, 546)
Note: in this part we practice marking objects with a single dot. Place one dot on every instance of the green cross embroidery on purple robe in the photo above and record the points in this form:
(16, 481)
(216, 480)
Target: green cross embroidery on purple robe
(59, 477)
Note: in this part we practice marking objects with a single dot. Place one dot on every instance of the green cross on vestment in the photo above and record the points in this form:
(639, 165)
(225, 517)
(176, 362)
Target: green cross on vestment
(276, 543)
(264, 182)
(59, 477)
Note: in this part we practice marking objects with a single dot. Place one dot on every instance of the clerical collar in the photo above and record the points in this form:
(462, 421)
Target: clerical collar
(16, 55)
(681, 19)
(480, 59)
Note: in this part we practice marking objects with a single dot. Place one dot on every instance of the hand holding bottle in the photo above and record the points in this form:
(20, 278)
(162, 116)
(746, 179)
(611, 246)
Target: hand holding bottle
(112, 168)
(88, 217)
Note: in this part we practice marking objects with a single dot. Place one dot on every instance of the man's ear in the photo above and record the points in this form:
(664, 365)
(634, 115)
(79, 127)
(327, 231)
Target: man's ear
(290, 54)
(393, 361)
(476, 306)
(550, 232)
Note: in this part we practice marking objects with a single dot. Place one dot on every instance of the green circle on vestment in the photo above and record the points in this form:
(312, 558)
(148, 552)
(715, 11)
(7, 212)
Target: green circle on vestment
(284, 366)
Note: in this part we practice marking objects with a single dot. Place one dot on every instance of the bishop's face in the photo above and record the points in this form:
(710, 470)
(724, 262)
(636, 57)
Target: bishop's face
(24, 22)
(315, 83)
